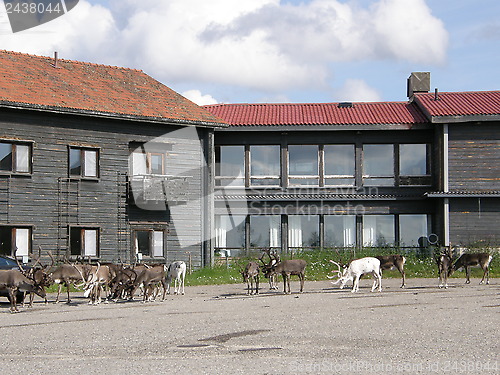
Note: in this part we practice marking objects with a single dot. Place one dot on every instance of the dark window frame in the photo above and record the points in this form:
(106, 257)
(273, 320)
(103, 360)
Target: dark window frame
(14, 169)
(82, 174)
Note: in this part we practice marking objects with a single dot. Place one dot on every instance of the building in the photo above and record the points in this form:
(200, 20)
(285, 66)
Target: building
(328, 175)
(109, 164)
(101, 162)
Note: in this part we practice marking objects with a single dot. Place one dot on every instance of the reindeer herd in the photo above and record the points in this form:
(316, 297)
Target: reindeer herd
(359, 267)
(110, 282)
(113, 282)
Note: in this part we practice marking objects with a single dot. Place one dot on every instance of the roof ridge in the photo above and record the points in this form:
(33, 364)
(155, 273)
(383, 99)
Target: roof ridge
(303, 104)
(68, 60)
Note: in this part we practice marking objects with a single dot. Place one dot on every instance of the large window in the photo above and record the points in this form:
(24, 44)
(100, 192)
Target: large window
(230, 231)
(303, 231)
(149, 243)
(339, 165)
(15, 241)
(84, 241)
(378, 165)
(15, 157)
(340, 230)
(265, 231)
(83, 162)
(230, 165)
(412, 228)
(378, 230)
(303, 165)
(265, 165)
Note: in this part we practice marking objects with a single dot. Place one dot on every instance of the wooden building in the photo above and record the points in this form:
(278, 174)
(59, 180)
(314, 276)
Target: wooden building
(325, 175)
(106, 162)
(102, 162)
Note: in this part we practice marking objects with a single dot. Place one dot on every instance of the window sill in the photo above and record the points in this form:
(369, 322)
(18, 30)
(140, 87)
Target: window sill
(16, 174)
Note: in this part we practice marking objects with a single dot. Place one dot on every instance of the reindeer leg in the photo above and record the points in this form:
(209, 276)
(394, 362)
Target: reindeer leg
(467, 275)
(257, 284)
(355, 285)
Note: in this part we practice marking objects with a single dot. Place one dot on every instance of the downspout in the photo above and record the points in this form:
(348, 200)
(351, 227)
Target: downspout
(446, 187)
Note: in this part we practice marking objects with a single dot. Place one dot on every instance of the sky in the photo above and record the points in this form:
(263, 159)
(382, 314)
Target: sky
(274, 51)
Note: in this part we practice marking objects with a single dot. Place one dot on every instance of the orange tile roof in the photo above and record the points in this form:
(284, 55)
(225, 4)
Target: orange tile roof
(318, 114)
(460, 103)
(94, 89)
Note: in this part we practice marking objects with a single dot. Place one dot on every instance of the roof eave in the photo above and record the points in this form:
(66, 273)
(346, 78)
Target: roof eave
(109, 115)
(463, 118)
(323, 127)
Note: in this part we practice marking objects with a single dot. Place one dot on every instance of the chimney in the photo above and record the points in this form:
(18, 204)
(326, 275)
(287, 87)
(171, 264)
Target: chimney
(55, 60)
(418, 82)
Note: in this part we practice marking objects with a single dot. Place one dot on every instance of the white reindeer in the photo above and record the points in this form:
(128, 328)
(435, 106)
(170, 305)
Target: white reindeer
(177, 273)
(357, 268)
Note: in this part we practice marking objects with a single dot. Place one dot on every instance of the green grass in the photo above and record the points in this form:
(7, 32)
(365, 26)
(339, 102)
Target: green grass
(319, 266)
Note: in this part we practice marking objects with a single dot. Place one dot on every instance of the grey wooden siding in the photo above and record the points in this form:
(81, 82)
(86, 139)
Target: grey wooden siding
(49, 202)
(474, 220)
(474, 156)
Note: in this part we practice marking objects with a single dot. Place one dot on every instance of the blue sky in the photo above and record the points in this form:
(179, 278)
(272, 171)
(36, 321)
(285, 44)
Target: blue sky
(280, 50)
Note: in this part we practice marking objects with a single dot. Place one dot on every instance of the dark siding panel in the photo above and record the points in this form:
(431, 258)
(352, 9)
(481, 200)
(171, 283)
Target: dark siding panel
(474, 156)
(474, 220)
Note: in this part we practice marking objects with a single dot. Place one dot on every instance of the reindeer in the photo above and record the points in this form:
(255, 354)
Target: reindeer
(97, 280)
(16, 281)
(287, 268)
(149, 278)
(274, 259)
(177, 273)
(444, 263)
(468, 260)
(250, 275)
(68, 274)
(388, 262)
(357, 268)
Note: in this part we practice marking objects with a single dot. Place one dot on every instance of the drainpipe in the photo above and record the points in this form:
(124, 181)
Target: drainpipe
(446, 188)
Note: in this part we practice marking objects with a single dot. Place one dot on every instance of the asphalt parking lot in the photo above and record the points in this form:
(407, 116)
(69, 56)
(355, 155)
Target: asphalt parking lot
(220, 330)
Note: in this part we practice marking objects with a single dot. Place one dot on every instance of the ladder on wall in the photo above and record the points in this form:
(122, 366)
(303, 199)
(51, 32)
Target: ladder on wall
(5, 198)
(122, 231)
(68, 206)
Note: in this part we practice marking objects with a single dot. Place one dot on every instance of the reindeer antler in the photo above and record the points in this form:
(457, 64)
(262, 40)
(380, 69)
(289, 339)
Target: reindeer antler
(339, 272)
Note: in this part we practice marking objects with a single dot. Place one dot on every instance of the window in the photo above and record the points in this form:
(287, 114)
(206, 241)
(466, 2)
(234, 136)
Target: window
(149, 243)
(413, 160)
(303, 165)
(378, 230)
(303, 231)
(378, 165)
(230, 231)
(84, 241)
(340, 230)
(339, 165)
(265, 165)
(15, 238)
(265, 231)
(15, 157)
(230, 165)
(147, 163)
(412, 228)
(83, 162)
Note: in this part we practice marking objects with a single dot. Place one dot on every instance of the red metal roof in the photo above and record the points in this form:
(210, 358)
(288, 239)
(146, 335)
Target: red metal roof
(29, 80)
(318, 114)
(460, 103)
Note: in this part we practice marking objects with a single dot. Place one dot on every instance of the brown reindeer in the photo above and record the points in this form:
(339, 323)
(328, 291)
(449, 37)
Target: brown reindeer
(444, 263)
(287, 268)
(250, 275)
(388, 262)
(468, 260)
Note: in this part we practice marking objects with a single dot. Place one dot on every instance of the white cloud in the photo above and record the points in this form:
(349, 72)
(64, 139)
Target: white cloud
(357, 90)
(197, 97)
(264, 45)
